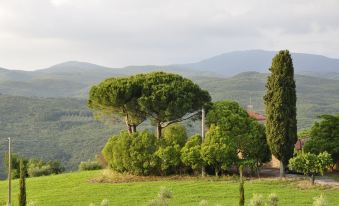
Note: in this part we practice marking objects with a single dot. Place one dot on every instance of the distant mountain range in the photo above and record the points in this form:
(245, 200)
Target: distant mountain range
(74, 78)
(37, 112)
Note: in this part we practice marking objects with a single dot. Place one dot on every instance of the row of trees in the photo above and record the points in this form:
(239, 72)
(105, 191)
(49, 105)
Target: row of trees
(161, 97)
(229, 142)
(33, 167)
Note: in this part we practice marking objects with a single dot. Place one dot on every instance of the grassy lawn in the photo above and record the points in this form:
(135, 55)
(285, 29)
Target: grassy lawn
(76, 189)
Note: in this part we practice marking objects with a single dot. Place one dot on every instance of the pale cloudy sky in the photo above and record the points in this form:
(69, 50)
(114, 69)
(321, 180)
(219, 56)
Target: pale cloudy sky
(36, 34)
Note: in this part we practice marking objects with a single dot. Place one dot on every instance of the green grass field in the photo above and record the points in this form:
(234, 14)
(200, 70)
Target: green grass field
(77, 189)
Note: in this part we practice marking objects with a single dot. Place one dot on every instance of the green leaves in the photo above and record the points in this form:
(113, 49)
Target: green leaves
(280, 102)
(164, 98)
(324, 136)
(310, 164)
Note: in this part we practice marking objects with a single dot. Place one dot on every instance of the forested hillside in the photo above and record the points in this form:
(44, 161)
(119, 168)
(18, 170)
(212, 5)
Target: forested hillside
(64, 128)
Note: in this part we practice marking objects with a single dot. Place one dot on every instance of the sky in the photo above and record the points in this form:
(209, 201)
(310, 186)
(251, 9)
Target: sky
(36, 34)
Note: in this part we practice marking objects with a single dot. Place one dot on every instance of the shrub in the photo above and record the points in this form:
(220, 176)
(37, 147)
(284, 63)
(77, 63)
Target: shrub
(191, 153)
(104, 202)
(273, 200)
(203, 203)
(320, 201)
(218, 150)
(169, 151)
(162, 199)
(41, 168)
(310, 164)
(89, 165)
(134, 153)
(256, 200)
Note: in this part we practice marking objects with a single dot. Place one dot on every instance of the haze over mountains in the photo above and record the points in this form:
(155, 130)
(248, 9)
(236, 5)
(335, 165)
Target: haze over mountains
(45, 111)
(73, 78)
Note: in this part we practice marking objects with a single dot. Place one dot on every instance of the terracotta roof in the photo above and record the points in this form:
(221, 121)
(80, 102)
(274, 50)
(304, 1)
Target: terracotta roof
(257, 116)
(300, 144)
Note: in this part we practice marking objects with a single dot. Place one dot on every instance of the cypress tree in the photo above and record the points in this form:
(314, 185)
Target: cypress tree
(22, 184)
(241, 188)
(280, 102)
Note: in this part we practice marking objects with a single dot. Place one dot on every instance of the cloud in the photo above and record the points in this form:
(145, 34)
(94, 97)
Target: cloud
(38, 33)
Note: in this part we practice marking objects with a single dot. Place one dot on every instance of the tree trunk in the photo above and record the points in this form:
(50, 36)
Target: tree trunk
(312, 179)
(134, 128)
(282, 169)
(216, 172)
(129, 127)
(159, 128)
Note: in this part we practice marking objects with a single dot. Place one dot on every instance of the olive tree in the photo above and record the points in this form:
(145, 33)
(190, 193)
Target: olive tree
(310, 164)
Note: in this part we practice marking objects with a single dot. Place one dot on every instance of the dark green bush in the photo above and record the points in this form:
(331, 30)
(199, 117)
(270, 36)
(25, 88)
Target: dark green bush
(133, 153)
(89, 165)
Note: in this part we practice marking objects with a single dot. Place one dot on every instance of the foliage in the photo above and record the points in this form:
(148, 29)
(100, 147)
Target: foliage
(169, 151)
(134, 153)
(170, 98)
(218, 150)
(280, 101)
(118, 96)
(104, 202)
(41, 168)
(254, 148)
(15, 164)
(310, 164)
(256, 200)
(272, 200)
(22, 183)
(242, 131)
(320, 201)
(89, 165)
(191, 153)
(162, 199)
(325, 136)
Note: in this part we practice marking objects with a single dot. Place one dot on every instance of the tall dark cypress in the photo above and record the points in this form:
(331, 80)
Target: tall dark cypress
(241, 188)
(22, 184)
(280, 102)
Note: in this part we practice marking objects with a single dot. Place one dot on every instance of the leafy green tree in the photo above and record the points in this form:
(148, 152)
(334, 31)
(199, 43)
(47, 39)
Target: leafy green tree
(218, 149)
(118, 96)
(22, 184)
(242, 130)
(15, 164)
(310, 164)
(170, 98)
(254, 147)
(325, 137)
(191, 153)
(169, 151)
(280, 102)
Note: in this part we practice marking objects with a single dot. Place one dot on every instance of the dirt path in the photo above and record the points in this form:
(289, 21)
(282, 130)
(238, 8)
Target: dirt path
(322, 180)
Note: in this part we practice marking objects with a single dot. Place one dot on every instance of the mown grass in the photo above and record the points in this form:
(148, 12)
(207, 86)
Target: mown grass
(81, 188)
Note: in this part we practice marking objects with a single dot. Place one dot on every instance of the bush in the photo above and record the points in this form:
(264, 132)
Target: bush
(89, 165)
(104, 202)
(320, 201)
(191, 153)
(133, 153)
(273, 200)
(256, 200)
(310, 164)
(41, 168)
(162, 199)
(203, 203)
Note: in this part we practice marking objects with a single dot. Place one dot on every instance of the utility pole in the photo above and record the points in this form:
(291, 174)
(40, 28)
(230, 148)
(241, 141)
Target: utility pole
(9, 172)
(203, 172)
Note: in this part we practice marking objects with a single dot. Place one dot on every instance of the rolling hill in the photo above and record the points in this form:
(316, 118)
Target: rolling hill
(45, 110)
